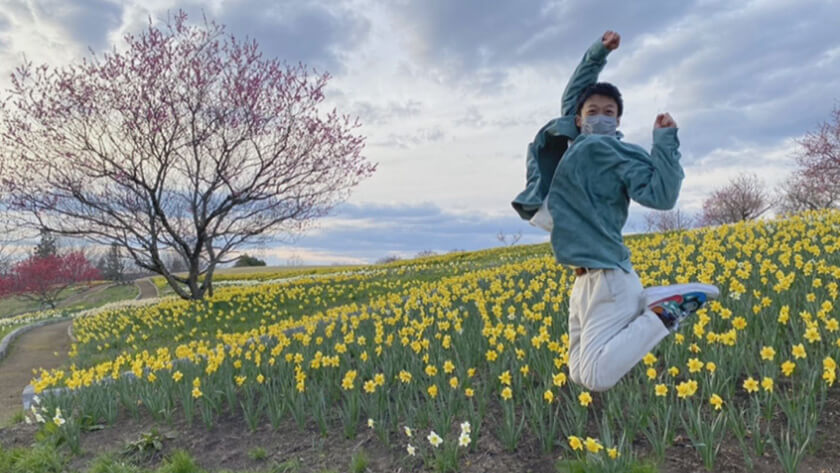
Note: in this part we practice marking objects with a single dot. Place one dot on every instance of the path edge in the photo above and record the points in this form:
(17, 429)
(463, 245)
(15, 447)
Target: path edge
(11, 337)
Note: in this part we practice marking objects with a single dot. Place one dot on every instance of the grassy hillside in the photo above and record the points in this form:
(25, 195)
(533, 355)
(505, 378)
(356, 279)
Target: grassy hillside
(482, 338)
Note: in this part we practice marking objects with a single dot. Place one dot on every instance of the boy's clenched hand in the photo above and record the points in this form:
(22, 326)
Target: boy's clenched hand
(664, 120)
(611, 40)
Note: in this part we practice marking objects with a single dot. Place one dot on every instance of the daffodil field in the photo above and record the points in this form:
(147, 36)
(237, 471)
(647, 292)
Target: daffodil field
(435, 354)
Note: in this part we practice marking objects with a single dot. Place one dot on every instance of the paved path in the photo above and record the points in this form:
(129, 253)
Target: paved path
(33, 349)
(37, 349)
(147, 288)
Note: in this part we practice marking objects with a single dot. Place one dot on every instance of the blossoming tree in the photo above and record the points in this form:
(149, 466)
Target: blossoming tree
(186, 140)
(44, 278)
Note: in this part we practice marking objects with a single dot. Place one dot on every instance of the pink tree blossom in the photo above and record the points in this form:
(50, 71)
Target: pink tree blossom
(43, 279)
(815, 184)
(186, 141)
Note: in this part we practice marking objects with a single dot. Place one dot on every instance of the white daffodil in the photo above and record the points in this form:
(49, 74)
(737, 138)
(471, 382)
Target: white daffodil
(434, 439)
(408, 432)
(465, 427)
(370, 423)
(411, 450)
(59, 421)
(464, 439)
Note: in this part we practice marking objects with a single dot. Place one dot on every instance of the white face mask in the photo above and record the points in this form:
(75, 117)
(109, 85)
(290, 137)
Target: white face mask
(599, 125)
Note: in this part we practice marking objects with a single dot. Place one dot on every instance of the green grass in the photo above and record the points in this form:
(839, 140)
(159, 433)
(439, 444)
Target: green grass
(359, 462)
(42, 459)
(7, 330)
(107, 296)
(258, 454)
(10, 306)
(111, 294)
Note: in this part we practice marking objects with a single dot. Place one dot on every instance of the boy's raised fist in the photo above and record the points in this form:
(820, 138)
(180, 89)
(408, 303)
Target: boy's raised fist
(611, 39)
(664, 120)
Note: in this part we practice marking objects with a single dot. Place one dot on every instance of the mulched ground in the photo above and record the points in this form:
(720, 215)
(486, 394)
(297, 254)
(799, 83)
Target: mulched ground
(228, 443)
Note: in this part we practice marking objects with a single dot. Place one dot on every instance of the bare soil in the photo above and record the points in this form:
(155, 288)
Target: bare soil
(228, 443)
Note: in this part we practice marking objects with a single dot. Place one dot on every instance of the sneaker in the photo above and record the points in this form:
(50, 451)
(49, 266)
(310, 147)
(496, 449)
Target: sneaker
(674, 303)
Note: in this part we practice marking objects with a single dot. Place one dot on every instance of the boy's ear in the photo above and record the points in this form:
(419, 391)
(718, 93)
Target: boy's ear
(577, 120)
(617, 121)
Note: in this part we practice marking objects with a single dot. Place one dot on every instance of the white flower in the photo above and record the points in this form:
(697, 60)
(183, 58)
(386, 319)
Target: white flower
(408, 431)
(411, 450)
(464, 439)
(59, 421)
(27, 419)
(434, 439)
(370, 423)
(36, 399)
(39, 418)
(465, 427)
(735, 295)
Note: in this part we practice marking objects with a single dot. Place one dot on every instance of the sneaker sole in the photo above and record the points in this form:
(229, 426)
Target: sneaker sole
(662, 293)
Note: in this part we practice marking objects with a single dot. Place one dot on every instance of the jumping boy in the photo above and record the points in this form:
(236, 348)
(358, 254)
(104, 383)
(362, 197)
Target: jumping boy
(580, 179)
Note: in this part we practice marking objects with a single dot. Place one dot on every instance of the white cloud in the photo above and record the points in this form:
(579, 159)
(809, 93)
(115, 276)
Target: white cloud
(448, 106)
(297, 254)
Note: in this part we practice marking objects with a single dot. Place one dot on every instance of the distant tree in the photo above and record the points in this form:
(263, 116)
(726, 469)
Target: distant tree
(248, 260)
(184, 139)
(806, 191)
(743, 198)
(42, 279)
(47, 245)
(668, 220)
(509, 240)
(456, 250)
(816, 182)
(174, 263)
(112, 265)
(388, 259)
(294, 260)
(425, 253)
(6, 255)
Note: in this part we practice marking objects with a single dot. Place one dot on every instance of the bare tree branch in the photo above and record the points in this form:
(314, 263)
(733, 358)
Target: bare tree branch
(186, 142)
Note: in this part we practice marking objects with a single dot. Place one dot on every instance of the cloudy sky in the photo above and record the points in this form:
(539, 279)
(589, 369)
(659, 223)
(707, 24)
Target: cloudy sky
(450, 92)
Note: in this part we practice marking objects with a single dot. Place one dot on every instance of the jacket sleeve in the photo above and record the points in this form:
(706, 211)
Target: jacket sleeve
(654, 180)
(585, 75)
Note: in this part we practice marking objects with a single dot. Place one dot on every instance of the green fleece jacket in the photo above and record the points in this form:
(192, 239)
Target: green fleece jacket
(590, 188)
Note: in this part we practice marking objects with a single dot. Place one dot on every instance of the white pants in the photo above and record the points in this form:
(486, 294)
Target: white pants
(610, 327)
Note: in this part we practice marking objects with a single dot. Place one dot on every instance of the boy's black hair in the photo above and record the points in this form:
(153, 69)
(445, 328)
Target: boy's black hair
(601, 88)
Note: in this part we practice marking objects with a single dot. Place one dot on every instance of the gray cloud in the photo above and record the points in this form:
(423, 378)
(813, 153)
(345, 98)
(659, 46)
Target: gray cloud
(412, 139)
(372, 114)
(472, 35)
(748, 73)
(315, 33)
(87, 21)
(408, 229)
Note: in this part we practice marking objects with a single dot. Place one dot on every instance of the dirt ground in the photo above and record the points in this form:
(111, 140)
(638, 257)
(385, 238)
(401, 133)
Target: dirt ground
(228, 443)
(46, 347)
